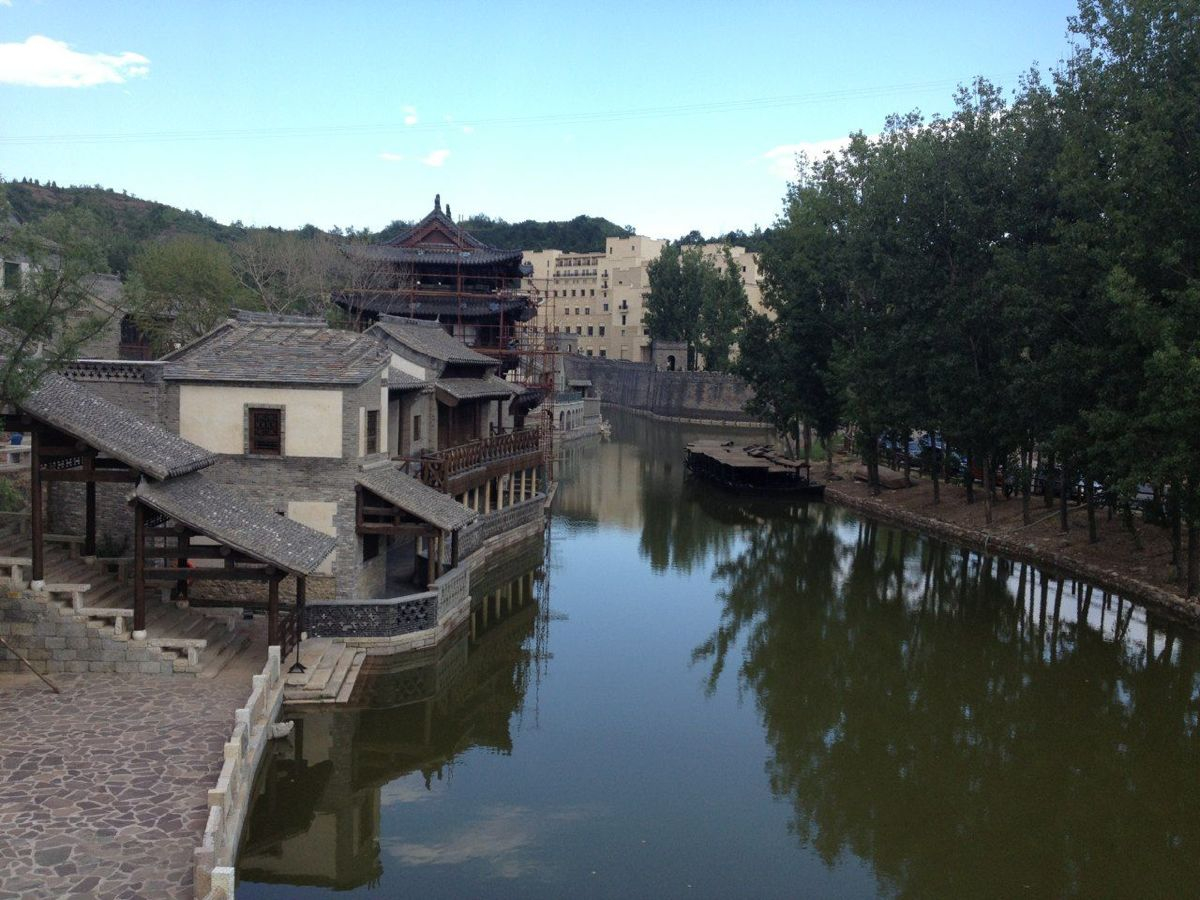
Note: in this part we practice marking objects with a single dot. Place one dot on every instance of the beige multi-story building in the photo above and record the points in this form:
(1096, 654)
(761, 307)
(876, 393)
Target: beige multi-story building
(599, 296)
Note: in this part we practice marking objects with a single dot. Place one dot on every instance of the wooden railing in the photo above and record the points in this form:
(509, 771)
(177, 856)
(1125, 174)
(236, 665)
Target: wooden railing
(439, 466)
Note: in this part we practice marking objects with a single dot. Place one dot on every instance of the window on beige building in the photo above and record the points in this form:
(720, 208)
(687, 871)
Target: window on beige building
(416, 429)
(265, 436)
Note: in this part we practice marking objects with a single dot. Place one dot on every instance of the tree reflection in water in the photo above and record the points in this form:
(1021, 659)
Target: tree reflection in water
(968, 726)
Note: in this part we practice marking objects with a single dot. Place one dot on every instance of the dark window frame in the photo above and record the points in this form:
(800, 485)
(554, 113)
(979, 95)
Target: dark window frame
(371, 432)
(260, 442)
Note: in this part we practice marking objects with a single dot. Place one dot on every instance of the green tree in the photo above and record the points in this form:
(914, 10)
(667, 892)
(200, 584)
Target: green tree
(46, 311)
(182, 287)
(724, 309)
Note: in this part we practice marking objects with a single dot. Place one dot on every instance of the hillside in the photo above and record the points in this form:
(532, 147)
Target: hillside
(580, 233)
(128, 221)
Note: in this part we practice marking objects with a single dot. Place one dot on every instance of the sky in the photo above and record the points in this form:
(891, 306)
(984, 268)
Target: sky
(667, 116)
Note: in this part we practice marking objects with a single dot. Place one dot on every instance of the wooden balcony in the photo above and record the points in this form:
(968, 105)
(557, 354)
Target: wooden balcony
(456, 469)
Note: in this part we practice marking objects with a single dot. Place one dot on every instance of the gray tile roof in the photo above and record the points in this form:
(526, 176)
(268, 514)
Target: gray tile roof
(428, 305)
(476, 388)
(220, 513)
(429, 339)
(278, 352)
(114, 430)
(401, 380)
(469, 256)
(417, 499)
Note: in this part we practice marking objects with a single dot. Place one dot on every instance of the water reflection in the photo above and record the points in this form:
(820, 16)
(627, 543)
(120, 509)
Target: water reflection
(750, 698)
(317, 817)
(968, 726)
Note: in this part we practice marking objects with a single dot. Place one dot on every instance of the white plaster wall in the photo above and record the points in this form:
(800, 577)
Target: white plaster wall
(317, 515)
(214, 417)
(408, 367)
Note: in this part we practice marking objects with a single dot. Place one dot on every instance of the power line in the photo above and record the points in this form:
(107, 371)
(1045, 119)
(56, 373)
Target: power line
(581, 118)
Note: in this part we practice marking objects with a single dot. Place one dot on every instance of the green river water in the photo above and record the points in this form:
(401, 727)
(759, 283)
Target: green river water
(680, 692)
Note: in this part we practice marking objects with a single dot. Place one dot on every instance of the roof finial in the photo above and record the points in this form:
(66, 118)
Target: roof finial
(437, 202)
(448, 216)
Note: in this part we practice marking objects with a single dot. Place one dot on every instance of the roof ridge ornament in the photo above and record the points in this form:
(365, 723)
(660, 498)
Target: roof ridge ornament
(437, 202)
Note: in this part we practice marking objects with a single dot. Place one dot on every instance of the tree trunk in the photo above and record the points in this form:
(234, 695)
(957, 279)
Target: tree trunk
(1193, 556)
(969, 477)
(827, 443)
(807, 444)
(1047, 489)
(933, 471)
(1089, 490)
(1064, 520)
(1174, 511)
(1130, 526)
(989, 479)
(1026, 472)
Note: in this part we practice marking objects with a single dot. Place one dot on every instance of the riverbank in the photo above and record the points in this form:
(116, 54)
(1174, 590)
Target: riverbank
(1113, 563)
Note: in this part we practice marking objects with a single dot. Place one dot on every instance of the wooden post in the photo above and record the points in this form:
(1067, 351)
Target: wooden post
(439, 541)
(533, 472)
(272, 607)
(487, 496)
(429, 576)
(301, 597)
(512, 487)
(454, 548)
(181, 561)
(139, 570)
(35, 504)
(521, 493)
(89, 523)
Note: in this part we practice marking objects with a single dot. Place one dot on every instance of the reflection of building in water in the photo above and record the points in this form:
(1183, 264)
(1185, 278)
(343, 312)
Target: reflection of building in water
(315, 819)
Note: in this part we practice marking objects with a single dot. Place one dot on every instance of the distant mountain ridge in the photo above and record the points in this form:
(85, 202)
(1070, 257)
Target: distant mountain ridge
(129, 221)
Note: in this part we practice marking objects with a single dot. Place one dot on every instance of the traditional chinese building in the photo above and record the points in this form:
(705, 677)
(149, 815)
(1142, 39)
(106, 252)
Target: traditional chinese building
(438, 272)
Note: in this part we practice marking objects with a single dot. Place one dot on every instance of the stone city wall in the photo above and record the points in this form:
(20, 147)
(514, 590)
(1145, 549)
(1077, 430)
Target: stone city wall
(703, 397)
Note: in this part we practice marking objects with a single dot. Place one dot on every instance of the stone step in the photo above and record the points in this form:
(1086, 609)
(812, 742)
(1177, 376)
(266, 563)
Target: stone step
(313, 661)
(222, 650)
(351, 679)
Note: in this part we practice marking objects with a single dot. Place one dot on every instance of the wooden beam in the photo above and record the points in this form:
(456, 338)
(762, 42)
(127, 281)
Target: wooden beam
(201, 551)
(385, 528)
(204, 573)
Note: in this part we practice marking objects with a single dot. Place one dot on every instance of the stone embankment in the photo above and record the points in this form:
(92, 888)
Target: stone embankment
(1108, 565)
(707, 398)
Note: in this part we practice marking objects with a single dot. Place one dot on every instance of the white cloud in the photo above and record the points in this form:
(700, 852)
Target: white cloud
(435, 158)
(468, 129)
(781, 160)
(410, 115)
(5, 2)
(392, 157)
(43, 62)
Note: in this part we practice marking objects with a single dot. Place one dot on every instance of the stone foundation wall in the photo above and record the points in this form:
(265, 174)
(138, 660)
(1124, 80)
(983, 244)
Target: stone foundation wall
(54, 641)
(690, 396)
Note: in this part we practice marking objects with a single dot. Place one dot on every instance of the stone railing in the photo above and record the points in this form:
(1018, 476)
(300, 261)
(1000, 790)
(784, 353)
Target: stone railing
(229, 799)
(454, 592)
(510, 517)
(439, 466)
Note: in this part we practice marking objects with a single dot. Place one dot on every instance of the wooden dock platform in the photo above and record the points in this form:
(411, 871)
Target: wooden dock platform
(755, 467)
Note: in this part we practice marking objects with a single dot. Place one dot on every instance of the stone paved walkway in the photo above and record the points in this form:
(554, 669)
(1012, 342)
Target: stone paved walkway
(103, 788)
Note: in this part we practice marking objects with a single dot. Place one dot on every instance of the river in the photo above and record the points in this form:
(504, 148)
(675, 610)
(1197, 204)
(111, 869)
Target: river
(684, 693)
